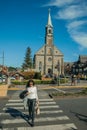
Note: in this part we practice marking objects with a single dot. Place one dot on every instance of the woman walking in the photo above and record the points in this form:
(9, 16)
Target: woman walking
(32, 99)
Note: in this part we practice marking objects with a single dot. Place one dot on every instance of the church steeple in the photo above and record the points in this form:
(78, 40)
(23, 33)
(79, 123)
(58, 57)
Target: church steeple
(49, 31)
(49, 20)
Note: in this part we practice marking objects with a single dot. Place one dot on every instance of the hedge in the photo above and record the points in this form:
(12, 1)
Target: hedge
(16, 82)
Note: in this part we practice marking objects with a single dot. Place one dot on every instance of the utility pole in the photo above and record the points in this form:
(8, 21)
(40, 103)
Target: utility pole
(58, 69)
(3, 58)
(1, 73)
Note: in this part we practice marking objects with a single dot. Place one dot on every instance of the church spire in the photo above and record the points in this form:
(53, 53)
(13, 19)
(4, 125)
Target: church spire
(49, 19)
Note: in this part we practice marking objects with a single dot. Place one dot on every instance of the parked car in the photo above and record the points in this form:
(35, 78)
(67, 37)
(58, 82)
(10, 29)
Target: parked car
(2, 79)
(12, 78)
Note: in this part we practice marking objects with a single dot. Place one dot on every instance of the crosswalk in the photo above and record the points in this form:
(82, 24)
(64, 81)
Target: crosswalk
(14, 117)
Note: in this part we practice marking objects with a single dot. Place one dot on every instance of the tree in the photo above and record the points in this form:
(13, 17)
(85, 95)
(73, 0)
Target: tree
(27, 59)
(12, 68)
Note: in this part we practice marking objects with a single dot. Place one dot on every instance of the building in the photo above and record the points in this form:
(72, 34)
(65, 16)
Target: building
(67, 68)
(49, 60)
(80, 66)
(82, 58)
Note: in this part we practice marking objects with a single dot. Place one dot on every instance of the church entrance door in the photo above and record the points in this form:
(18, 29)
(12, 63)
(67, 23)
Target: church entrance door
(50, 72)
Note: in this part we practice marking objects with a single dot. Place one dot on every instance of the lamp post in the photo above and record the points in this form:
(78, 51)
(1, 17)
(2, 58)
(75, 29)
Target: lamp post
(58, 70)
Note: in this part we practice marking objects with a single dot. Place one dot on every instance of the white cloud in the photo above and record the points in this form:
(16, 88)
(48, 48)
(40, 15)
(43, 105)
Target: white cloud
(76, 24)
(72, 12)
(81, 39)
(59, 3)
(76, 33)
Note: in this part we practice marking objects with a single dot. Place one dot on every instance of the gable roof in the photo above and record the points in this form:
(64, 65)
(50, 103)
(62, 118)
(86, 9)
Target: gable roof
(83, 58)
(42, 52)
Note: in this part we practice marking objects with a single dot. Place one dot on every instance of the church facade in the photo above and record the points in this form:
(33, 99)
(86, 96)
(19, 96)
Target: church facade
(49, 59)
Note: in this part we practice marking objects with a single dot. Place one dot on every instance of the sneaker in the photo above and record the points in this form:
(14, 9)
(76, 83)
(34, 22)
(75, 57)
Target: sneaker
(32, 124)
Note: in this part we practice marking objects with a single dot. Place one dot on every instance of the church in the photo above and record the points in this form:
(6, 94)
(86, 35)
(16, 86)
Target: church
(49, 59)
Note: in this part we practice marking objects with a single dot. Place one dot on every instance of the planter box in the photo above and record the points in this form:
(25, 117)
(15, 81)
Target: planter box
(3, 90)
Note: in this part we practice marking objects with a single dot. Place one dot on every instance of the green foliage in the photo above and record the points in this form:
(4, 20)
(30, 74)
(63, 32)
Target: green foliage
(12, 69)
(27, 59)
(62, 80)
(37, 75)
(28, 75)
(19, 83)
(36, 82)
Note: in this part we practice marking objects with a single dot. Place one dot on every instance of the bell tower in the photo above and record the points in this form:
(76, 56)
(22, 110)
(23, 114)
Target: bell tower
(49, 47)
(48, 56)
(49, 31)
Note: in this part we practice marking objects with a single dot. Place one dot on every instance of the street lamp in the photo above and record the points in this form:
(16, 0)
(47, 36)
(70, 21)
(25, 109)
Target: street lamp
(58, 70)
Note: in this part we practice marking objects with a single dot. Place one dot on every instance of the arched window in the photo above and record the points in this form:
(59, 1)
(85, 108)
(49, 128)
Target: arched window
(49, 59)
(49, 30)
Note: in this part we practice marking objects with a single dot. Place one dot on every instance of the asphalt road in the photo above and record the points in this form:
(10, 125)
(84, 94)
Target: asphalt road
(74, 108)
(4, 100)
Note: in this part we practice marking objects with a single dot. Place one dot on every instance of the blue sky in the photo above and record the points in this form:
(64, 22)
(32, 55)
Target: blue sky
(22, 25)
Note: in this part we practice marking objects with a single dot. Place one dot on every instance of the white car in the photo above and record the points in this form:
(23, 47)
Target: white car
(2, 79)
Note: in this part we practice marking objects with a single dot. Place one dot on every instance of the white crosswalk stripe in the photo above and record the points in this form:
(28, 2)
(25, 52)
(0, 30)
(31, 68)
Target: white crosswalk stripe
(42, 112)
(16, 104)
(36, 120)
(19, 100)
(48, 127)
(50, 112)
(41, 107)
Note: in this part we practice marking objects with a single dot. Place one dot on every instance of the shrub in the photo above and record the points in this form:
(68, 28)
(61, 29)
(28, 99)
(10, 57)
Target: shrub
(37, 75)
(28, 74)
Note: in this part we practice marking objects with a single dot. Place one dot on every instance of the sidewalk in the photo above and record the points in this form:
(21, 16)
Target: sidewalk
(82, 84)
(49, 86)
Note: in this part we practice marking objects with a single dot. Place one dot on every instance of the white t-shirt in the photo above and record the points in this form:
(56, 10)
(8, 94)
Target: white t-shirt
(32, 93)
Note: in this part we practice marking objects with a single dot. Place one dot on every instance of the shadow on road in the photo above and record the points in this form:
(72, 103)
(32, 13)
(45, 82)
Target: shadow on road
(0, 127)
(80, 116)
(16, 113)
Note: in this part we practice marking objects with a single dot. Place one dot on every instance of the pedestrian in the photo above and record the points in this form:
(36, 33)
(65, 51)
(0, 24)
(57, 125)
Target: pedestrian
(55, 78)
(85, 77)
(73, 79)
(32, 99)
(78, 78)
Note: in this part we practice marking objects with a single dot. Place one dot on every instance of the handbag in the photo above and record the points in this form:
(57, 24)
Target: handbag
(37, 111)
(22, 95)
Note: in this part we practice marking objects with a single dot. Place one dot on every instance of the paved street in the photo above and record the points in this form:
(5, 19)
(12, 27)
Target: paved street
(76, 110)
(52, 117)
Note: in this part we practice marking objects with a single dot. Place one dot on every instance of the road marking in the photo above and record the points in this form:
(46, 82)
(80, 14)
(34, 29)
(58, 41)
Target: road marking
(19, 113)
(68, 126)
(41, 107)
(59, 90)
(51, 127)
(17, 104)
(41, 119)
(19, 100)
